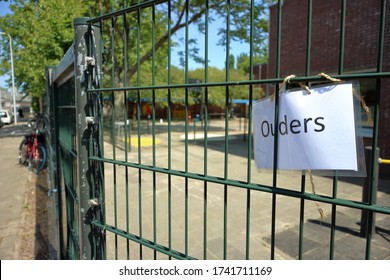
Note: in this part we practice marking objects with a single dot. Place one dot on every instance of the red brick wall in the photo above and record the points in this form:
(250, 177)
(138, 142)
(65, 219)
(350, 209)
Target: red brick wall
(361, 45)
(361, 36)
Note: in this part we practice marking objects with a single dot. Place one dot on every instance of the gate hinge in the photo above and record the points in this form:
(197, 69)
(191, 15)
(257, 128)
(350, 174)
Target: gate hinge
(94, 202)
(90, 121)
(51, 192)
(90, 61)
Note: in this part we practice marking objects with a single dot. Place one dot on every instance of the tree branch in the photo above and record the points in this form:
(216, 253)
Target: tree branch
(134, 68)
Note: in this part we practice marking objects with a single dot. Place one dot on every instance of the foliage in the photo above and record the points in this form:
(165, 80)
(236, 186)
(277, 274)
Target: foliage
(41, 33)
(243, 62)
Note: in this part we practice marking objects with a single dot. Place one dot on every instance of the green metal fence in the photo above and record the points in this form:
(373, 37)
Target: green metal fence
(147, 166)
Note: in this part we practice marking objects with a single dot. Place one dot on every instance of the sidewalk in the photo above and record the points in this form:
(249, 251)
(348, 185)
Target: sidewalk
(21, 195)
(13, 181)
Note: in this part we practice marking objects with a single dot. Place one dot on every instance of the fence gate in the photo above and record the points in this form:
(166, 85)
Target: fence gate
(152, 159)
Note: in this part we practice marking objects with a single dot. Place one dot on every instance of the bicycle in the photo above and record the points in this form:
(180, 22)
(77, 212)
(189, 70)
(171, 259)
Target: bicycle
(32, 151)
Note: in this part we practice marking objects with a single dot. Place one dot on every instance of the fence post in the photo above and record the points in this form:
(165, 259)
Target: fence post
(365, 227)
(84, 43)
(51, 145)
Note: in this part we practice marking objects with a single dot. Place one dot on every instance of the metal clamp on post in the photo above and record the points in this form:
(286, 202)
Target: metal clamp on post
(90, 121)
(51, 192)
(94, 202)
(90, 61)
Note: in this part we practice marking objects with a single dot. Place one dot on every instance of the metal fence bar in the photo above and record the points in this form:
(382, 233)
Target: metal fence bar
(83, 110)
(186, 121)
(205, 131)
(367, 197)
(303, 177)
(113, 136)
(99, 142)
(154, 129)
(276, 121)
(53, 161)
(143, 242)
(133, 8)
(101, 137)
(92, 141)
(335, 177)
(263, 188)
(316, 78)
(139, 128)
(226, 150)
(374, 155)
(249, 146)
(127, 138)
(169, 116)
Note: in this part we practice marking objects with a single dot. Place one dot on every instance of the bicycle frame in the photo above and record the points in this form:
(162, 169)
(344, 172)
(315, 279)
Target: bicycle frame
(32, 141)
(33, 145)
(32, 150)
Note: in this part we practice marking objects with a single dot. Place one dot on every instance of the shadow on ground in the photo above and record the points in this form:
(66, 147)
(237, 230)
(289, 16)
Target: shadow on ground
(35, 243)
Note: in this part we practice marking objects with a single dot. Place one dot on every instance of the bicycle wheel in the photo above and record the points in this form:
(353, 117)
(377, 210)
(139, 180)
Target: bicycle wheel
(23, 152)
(37, 162)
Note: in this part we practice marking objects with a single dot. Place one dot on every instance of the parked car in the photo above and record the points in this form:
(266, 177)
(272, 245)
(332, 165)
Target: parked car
(1, 124)
(6, 117)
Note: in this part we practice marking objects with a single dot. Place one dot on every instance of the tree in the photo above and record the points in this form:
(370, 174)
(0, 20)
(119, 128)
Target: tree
(243, 62)
(41, 32)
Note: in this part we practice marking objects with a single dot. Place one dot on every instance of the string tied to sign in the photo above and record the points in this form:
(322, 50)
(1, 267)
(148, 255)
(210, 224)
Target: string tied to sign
(313, 189)
(287, 81)
(331, 79)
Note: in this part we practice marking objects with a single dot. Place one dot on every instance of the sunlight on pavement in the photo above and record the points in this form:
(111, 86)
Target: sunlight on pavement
(144, 141)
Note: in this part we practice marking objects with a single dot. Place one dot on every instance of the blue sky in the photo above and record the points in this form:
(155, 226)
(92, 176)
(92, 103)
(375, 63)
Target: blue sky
(217, 54)
(4, 7)
(3, 10)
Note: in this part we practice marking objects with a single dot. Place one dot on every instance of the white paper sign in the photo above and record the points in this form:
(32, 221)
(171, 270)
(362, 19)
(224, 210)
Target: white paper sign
(316, 131)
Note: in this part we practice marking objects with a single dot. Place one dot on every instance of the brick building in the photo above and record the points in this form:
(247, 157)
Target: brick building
(361, 44)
